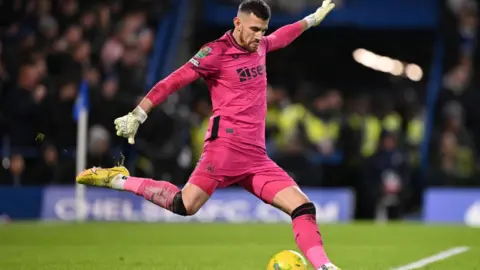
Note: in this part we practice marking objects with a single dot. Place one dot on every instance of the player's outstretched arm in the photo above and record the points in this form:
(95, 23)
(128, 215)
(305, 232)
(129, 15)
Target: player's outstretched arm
(127, 125)
(288, 33)
(164, 88)
(203, 64)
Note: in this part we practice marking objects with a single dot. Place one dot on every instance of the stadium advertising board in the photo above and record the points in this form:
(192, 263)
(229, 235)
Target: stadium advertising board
(444, 205)
(226, 205)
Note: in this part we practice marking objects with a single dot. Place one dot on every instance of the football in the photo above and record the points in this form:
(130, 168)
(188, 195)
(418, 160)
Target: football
(287, 260)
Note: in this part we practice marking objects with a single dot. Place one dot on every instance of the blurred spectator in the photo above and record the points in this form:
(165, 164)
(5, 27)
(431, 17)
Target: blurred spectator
(199, 125)
(23, 108)
(387, 174)
(106, 105)
(62, 129)
(287, 148)
(454, 156)
(99, 148)
(320, 125)
(48, 31)
(414, 140)
(47, 166)
(17, 169)
(357, 116)
(288, 142)
(459, 77)
(277, 100)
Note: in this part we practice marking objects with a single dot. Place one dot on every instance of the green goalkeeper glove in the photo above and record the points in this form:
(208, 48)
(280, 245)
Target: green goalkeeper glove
(317, 17)
(127, 125)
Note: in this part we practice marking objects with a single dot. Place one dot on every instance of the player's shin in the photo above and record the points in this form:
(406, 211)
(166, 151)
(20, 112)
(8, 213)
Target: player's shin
(307, 235)
(161, 193)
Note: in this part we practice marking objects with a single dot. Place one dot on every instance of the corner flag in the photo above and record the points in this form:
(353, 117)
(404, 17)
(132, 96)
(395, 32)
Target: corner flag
(83, 100)
(80, 114)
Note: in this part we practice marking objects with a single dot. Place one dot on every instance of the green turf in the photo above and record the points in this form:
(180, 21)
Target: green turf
(149, 246)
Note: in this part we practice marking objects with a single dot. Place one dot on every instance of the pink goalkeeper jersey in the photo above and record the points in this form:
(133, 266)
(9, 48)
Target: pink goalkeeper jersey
(237, 80)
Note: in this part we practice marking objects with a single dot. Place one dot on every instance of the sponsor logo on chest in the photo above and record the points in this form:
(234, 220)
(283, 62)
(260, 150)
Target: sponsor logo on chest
(248, 73)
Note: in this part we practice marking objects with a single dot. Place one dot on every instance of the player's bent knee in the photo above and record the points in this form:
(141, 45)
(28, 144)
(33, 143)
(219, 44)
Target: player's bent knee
(304, 209)
(178, 207)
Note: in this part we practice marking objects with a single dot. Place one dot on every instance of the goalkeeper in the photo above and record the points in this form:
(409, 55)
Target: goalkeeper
(233, 67)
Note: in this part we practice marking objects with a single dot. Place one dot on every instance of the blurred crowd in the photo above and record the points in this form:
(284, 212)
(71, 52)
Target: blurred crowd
(456, 138)
(372, 142)
(47, 49)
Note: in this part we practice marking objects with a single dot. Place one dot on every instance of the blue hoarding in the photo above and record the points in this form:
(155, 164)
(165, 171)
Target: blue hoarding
(447, 205)
(226, 205)
(441, 205)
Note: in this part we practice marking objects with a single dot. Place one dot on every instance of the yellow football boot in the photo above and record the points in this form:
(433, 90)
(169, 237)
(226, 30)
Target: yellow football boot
(101, 177)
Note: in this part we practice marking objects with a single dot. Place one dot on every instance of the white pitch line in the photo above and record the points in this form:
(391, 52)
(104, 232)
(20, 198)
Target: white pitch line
(434, 258)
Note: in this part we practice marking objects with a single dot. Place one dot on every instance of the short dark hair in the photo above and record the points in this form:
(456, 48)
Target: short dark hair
(258, 7)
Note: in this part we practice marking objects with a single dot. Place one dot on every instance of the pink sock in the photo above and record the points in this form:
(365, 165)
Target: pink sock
(160, 193)
(309, 240)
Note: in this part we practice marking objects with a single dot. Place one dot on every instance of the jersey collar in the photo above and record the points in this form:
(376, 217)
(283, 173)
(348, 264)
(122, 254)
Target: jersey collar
(233, 41)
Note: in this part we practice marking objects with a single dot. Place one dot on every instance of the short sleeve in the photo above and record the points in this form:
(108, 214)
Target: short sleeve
(206, 61)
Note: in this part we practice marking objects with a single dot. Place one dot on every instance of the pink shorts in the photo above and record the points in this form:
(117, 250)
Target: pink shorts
(224, 163)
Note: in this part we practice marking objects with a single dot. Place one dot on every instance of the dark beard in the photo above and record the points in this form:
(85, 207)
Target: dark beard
(242, 41)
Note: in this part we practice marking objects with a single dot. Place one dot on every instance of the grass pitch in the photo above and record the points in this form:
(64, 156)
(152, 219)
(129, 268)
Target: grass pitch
(194, 246)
